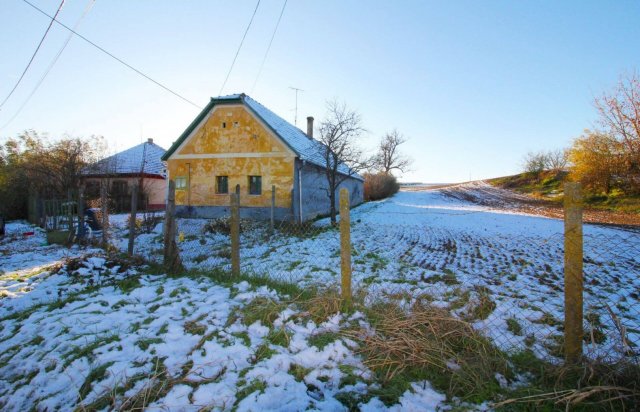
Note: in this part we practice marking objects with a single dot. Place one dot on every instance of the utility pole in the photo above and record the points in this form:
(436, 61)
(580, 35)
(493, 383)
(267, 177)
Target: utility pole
(295, 121)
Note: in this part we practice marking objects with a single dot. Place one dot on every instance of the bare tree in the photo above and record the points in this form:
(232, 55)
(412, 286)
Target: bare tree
(620, 116)
(535, 162)
(389, 157)
(556, 160)
(339, 133)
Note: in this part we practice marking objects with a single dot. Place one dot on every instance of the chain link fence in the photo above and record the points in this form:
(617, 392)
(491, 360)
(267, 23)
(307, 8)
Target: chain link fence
(509, 286)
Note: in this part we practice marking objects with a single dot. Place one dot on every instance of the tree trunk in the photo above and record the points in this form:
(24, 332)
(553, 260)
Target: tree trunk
(332, 208)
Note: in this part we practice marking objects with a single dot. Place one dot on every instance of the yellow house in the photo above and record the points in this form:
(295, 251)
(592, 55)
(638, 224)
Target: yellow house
(237, 143)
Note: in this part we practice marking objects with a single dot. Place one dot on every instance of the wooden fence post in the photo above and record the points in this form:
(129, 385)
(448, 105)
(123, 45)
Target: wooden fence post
(31, 207)
(132, 219)
(172, 262)
(345, 245)
(80, 233)
(273, 207)
(573, 276)
(70, 217)
(168, 217)
(104, 211)
(235, 234)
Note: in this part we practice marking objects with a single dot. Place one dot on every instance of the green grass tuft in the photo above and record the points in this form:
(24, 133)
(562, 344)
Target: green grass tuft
(96, 375)
(129, 284)
(321, 340)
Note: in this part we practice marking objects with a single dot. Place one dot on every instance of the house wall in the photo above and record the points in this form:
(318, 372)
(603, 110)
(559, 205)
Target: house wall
(241, 148)
(315, 199)
(154, 188)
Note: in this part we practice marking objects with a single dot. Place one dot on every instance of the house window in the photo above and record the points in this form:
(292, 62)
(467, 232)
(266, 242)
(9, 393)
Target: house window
(255, 185)
(222, 185)
(236, 124)
(224, 125)
(181, 183)
(119, 187)
(92, 189)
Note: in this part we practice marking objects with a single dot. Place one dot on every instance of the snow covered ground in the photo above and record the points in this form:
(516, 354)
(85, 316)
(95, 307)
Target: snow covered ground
(501, 270)
(78, 328)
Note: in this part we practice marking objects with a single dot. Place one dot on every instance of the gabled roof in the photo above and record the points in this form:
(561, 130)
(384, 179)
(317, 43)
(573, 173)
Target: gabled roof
(130, 161)
(304, 147)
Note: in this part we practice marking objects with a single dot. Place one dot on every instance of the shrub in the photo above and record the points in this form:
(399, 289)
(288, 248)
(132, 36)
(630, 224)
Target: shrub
(138, 224)
(219, 225)
(379, 186)
(149, 221)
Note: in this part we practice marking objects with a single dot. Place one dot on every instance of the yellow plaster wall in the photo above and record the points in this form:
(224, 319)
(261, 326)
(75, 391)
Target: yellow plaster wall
(248, 136)
(275, 163)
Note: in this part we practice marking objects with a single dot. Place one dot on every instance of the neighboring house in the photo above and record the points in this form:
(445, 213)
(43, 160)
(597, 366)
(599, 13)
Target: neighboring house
(122, 171)
(237, 141)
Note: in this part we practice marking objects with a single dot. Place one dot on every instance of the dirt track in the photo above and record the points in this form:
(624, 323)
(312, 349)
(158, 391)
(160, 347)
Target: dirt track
(484, 194)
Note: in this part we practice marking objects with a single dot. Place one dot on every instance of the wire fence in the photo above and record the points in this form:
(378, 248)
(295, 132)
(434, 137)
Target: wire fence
(515, 288)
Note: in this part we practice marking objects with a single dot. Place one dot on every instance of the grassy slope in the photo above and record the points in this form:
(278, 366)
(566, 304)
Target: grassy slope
(548, 186)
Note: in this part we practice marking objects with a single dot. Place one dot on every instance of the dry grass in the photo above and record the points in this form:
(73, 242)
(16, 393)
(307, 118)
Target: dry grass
(322, 305)
(429, 343)
(318, 305)
(598, 398)
(592, 384)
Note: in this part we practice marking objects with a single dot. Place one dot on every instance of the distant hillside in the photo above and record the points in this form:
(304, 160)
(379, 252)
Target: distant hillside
(548, 186)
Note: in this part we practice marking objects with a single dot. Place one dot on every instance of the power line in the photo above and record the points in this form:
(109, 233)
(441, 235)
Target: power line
(34, 54)
(269, 47)
(239, 47)
(157, 83)
(53, 62)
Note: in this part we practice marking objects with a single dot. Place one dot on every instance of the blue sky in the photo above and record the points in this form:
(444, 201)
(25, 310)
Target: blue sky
(474, 85)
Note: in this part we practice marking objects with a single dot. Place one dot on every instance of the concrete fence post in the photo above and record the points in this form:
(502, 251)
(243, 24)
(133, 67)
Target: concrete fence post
(235, 234)
(573, 275)
(273, 207)
(345, 245)
(132, 219)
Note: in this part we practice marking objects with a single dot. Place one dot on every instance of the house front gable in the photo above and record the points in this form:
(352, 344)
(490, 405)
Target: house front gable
(230, 144)
(231, 131)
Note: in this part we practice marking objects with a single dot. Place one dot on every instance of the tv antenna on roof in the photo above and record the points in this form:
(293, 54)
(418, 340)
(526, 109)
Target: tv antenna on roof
(295, 121)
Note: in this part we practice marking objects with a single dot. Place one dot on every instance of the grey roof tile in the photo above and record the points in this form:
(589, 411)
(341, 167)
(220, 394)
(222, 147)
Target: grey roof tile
(130, 161)
(306, 149)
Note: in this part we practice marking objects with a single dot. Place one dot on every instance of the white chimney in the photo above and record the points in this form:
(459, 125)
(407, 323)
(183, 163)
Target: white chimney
(310, 127)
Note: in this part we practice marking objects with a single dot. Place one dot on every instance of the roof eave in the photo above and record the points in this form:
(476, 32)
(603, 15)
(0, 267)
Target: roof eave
(214, 101)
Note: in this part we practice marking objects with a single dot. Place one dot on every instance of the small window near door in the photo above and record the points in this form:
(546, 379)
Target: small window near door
(181, 183)
(222, 185)
(255, 185)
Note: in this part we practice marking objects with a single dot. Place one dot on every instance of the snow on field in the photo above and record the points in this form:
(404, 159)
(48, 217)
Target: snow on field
(24, 254)
(502, 271)
(94, 332)
(79, 328)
